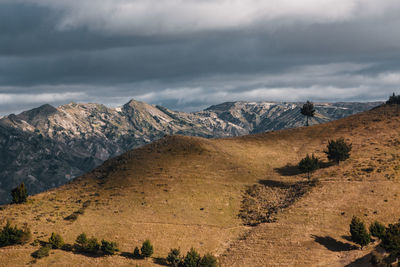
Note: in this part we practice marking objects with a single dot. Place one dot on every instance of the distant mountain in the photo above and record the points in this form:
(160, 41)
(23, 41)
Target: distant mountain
(46, 147)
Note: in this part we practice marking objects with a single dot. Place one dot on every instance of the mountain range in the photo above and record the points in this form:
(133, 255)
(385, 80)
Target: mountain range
(47, 146)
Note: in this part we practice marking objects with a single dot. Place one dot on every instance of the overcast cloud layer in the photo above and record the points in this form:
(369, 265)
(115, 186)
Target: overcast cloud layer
(187, 55)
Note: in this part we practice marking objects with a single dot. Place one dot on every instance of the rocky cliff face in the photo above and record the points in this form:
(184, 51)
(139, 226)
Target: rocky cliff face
(46, 147)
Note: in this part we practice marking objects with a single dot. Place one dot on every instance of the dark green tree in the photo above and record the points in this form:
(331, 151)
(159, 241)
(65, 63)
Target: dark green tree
(309, 164)
(108, 248)
(174, 258)
(192, 258)
(338, 150)
(136, 253)
(359, 233)
(377, 229)
(146, 249)
(56, 241)
(391, 239)
(208, 260)
(308, 110)
(19, 194)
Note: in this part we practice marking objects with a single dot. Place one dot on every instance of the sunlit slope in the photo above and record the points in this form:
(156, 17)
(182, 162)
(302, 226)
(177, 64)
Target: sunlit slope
(186, 192)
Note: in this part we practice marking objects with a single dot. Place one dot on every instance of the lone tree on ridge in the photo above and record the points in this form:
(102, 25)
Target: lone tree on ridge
(308, 110)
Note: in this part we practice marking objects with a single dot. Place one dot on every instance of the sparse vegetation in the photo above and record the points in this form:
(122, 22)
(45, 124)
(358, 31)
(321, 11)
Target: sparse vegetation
(377, 229)
(13, 235)
(19, 194)
(338, 150)
(359, 233)
(146, 249)
(309, 164)
(308, 110)
(42, 252)
(56, 241)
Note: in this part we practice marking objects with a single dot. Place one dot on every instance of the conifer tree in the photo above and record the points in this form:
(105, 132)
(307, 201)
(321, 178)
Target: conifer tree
(309, 164)
(19, 194)
(359, 233)
(146, 249)
(338, 150)
(308, 110)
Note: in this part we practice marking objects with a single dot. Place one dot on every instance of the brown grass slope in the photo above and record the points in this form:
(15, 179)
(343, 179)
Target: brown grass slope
(187, 192)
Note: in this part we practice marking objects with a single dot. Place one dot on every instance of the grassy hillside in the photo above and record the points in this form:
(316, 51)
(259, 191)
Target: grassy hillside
(187, 192)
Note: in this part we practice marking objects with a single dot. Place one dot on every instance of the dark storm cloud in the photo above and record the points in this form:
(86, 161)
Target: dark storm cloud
(193, 54)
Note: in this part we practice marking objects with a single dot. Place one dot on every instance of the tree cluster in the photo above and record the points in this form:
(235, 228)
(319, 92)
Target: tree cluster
(192, 259)
(337, 150)
(393, 99)
(93, 246)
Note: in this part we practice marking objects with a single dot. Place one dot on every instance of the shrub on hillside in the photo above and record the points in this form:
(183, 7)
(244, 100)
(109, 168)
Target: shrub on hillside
(19, 194)
(56, 241)
(84, 244)
(13, 235)
(136, 253)
(338, 150)
(208, 260)
(192, 258)
(146, 249)
(377, 229)
(108, 248)
(174, 258)
(42, 252)
(309, 164)
(359, 233)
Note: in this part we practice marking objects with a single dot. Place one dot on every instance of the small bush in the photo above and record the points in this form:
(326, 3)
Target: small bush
(377, 229)
(338, 150)
(174, 258)
(309, 164)
(147, 249)
(92, 246)
(81, 240)
(19, 194)
(56, 241)
(136, 253)
(109, 248)
(42, 252)
(12, 235)
(359, 233)
(192, 258)
(208, 260)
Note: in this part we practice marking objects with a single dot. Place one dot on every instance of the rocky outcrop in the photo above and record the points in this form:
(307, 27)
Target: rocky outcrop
(46, 147)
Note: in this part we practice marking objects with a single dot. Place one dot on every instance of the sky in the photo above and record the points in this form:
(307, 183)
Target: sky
(189, 54)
